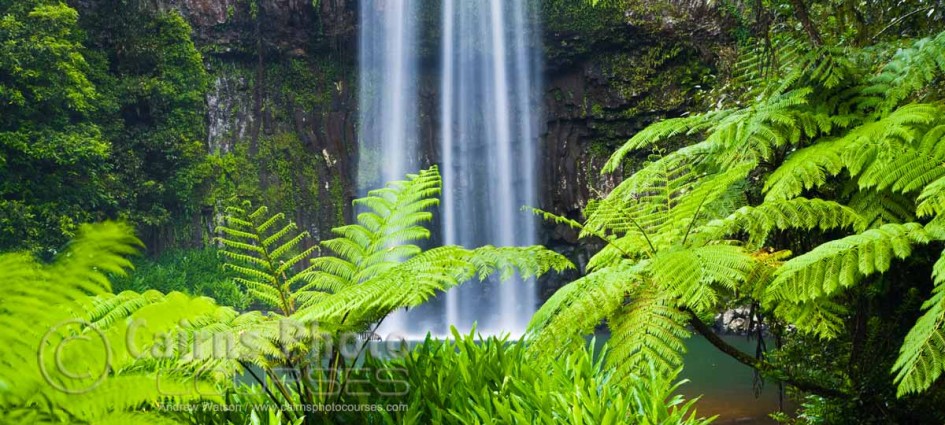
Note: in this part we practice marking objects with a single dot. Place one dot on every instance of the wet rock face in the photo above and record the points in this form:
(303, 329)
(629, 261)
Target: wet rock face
(293, 152)
(594, 105)
(282, 102)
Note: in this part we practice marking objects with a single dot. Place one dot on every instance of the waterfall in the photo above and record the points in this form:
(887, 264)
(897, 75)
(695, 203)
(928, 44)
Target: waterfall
(489, 88)
(488, 132)
(388, 107)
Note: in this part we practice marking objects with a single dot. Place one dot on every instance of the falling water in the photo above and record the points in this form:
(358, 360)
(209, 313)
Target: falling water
(388, 91)
(388, 101)
(488, 133)
(489, 88)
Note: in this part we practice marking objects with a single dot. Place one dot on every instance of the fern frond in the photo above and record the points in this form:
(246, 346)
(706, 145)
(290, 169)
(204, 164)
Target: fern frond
(922, 355)
(881, 207)
(289, 246)
(98, 250)
(245, 258)
(341, 269)
(291, 263)
(242, 246)
(805, 169)
(821, 317)
(842, 263)
(910, 70)
(648, 330)
(578, 307)
(554, 218)
(108, 309)
(689, 275)
(279, 234)
(236, 233)
(798, 213)
(678, 272)
(652, 135)
(249, 272)
(271, 221)
(628, 247)
(265, 254)
(261, 213)
(416, 280)
(383, 236)
(76, 305)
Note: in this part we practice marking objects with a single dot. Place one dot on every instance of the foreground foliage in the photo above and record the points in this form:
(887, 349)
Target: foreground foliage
(131, 357)
(375, 268)
(468, 381)
(67, 357)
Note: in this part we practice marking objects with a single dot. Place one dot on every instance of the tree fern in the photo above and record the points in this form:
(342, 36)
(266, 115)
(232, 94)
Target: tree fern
(684, 223)
(375, 267)
(652, 267)
(370, 269)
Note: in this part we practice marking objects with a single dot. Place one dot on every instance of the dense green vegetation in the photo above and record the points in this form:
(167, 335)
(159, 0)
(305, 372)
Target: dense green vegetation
(113, 132)
(807, 183)
(194, 271)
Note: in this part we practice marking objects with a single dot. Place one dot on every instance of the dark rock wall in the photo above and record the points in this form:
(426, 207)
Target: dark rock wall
(600, 91)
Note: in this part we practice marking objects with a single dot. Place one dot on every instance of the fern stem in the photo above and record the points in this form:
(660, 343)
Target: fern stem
(262, 383)
(899, 20)
(646, 237)
(694, 217)
(283, 390)
(347, 375)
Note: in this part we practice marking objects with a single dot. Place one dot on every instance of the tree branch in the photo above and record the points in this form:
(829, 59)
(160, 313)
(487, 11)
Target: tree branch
(760, 365)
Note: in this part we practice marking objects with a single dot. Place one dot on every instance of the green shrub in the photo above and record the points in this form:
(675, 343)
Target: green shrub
(191, 271)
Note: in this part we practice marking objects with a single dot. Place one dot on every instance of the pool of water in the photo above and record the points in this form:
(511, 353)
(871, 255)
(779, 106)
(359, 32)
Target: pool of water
(726, 386)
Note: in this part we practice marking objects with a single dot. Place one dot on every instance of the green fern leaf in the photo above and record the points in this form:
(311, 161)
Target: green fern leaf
(842, 263)
(649, 330)
(922, 356)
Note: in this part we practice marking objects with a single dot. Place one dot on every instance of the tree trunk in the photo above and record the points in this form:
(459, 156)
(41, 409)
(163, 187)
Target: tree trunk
(800, 11)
